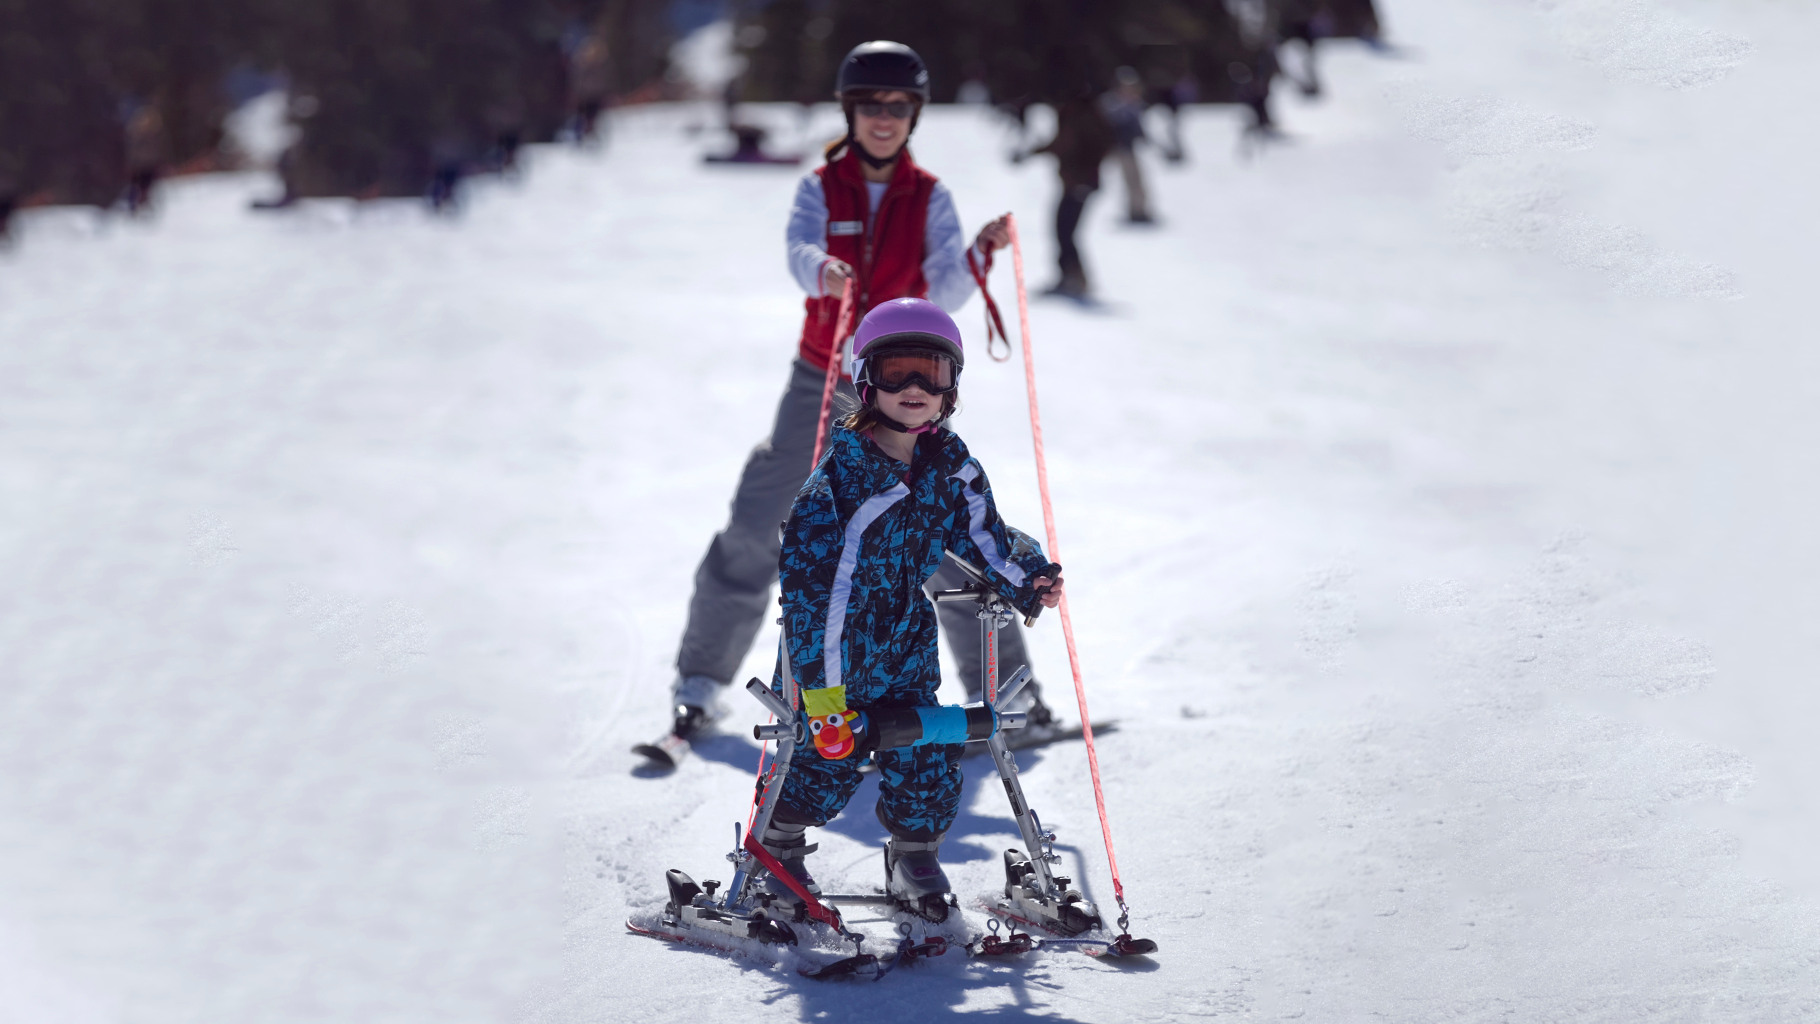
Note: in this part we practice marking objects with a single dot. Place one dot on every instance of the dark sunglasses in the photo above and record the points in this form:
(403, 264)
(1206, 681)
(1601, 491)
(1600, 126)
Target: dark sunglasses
(935, 373)
(901, 110)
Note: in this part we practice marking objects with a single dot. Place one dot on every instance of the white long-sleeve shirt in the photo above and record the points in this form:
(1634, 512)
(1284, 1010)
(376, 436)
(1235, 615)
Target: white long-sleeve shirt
(944, 247)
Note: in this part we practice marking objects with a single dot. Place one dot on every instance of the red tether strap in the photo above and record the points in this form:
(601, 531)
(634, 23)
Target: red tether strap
(993, 320)
(1055, 555)
(840, 340)
(821, 440)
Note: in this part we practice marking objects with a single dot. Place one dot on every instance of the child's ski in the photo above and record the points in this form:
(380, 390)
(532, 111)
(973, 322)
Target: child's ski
(1001, 945)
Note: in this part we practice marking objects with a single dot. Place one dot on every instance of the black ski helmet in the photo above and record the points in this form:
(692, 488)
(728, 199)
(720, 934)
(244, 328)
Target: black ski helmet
(882, 66)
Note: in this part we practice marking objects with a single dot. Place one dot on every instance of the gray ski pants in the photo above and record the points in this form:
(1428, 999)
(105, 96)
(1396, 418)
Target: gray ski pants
(733, 582)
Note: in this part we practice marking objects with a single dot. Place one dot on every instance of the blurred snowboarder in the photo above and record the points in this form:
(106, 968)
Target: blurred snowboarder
(1124, 110)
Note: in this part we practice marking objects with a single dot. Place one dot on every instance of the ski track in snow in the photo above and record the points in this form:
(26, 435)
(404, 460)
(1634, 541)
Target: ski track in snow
(1431, 533)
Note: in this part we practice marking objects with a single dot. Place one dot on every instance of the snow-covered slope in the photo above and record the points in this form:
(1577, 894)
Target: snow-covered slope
(1435, 490)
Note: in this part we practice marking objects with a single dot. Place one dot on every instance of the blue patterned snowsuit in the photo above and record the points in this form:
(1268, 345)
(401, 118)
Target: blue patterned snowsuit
(866, 532)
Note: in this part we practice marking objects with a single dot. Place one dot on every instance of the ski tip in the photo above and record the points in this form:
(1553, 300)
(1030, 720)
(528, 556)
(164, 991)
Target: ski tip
(655, 756)
(638, 929)
(1125, 945)
(663, 755)
(847, 968)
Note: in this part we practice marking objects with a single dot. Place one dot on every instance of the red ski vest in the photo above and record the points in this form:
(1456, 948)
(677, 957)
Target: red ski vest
(887, 261)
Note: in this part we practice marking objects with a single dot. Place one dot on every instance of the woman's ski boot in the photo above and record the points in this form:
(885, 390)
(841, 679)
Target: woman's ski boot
(915, 880)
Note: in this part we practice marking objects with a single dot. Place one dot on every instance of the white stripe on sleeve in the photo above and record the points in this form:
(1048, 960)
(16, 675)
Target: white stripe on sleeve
(868, 513)
(976, 526)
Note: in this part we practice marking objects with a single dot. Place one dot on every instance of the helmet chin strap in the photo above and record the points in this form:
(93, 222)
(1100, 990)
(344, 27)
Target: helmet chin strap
(872, 161)
(927, 428)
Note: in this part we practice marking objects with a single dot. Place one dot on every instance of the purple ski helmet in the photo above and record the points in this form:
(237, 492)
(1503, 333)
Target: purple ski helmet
(907, 323)
(904, 324)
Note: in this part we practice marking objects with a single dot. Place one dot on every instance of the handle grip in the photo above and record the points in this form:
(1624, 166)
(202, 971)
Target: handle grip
(1030, 620)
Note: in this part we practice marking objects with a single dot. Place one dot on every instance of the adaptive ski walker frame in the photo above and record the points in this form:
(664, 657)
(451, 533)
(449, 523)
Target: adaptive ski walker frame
(1034, 894)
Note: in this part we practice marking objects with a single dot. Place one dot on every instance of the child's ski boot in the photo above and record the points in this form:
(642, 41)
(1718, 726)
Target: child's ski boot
(789, 844)
(914, 878)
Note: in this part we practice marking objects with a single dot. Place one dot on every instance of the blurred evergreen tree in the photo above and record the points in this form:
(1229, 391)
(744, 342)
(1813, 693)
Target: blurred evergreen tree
(60, 133)
(639, 35)
(387, 92)
(75, 74)
(1029, 50)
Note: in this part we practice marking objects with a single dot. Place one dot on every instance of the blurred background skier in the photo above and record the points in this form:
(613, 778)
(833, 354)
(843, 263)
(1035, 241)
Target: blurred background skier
(589, 83)
(1124, 110)
(1258, 33)
(1082, 139)
(869, 215)
(1306, 22)
(145, 156)
(1184, 91)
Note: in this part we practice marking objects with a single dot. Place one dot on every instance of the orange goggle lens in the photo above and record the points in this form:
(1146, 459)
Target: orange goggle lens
(896, 371)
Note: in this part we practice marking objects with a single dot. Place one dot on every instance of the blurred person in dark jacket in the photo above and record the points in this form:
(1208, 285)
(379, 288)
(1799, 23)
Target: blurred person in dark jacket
(1083, 137)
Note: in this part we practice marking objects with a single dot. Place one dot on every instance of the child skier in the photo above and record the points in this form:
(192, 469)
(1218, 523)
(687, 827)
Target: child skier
(867, 531)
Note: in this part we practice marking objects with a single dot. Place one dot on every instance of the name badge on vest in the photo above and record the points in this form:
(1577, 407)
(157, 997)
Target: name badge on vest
(846, 227)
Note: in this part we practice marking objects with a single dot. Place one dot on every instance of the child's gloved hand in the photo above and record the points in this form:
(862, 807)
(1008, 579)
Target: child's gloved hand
(830, 723)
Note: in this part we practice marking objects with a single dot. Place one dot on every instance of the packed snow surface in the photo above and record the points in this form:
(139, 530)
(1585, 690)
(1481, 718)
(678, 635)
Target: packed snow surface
(1436, 491)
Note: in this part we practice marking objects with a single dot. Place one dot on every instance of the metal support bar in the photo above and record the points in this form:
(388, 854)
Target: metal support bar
(772, 702)
(742, 888)
(1012, 687)
(995, 615)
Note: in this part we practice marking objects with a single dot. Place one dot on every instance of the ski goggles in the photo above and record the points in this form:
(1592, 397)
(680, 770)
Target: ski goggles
(902, 109)
(892, 372)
